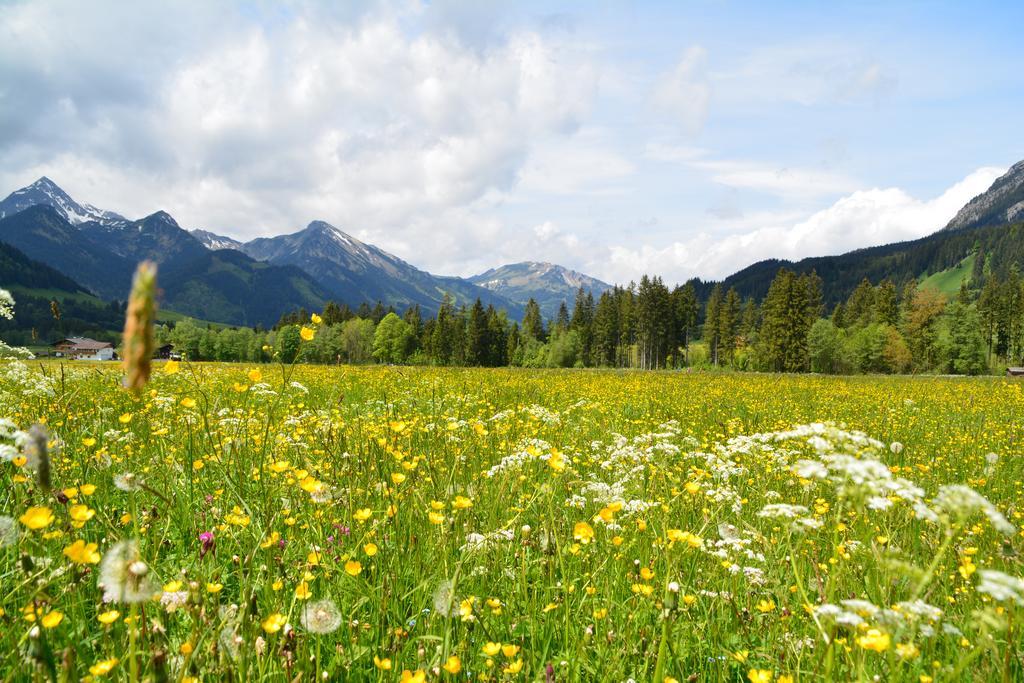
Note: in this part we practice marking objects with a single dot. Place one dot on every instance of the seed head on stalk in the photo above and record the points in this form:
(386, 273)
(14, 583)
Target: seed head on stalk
(138, 327)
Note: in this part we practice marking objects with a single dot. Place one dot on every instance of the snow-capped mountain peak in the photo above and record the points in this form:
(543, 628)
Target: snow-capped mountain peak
(45, 191)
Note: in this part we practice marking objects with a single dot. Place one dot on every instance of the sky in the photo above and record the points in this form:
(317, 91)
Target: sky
(681, 139)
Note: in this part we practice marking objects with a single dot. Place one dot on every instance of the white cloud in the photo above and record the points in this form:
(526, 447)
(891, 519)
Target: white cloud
(684, 93)
(806, 73)
(407, 138)
(788, 183)
(861, 219)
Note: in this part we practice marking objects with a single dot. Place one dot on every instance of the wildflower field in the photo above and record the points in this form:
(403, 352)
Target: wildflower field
(283, 523)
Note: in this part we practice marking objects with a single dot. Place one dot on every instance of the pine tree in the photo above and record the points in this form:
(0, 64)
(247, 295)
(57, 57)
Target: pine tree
(477, 336)
(711, 326)
(533, 321)
(728, 324)
(887, 311)
(583, 323)
(685, 308)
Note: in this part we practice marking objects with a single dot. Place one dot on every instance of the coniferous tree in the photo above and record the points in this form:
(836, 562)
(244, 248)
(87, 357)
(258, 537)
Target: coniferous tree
(582, 323)
(711, 326)
(886, 308)
(533, 321)
(728, 324)
(685, 309)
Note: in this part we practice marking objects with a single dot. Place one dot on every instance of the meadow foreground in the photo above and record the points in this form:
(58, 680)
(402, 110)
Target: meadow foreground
(288, 523)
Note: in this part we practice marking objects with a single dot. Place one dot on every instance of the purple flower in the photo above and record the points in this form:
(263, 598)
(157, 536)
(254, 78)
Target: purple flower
(207, 541)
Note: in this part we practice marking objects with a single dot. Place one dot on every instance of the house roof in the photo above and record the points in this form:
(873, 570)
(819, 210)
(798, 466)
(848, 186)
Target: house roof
(83, 343)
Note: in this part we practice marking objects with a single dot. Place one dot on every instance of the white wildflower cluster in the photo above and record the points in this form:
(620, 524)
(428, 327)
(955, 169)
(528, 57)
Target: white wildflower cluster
(477, 541)
(623, 455)
(1001, 587)
(908, 616)
(738, 548)
(262, 389)
(962, 502)
(524, 451)
(17, 380)
(849, 460)
(799, 516)
(544, 415)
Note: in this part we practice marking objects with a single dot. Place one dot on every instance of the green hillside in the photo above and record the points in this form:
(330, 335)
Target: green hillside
(948, 281)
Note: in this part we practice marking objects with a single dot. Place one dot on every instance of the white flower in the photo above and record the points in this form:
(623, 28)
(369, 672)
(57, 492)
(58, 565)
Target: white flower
(128, 482)
(1001, 587)
(171, 601)
(8, 531)
(782, 511)
(962, 501)
(124, 576)
(321, 616)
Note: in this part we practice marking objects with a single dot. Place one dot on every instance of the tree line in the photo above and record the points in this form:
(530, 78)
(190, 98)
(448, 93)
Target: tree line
(880, 328)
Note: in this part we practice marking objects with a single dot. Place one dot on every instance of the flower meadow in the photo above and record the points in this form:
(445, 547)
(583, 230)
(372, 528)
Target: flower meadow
(293, 523)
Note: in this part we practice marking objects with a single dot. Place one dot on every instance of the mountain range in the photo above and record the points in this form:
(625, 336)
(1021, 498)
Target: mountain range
(990, 227)
(218, 278)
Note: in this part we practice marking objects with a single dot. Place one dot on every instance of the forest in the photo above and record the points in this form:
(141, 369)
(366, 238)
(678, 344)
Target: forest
(881, 327)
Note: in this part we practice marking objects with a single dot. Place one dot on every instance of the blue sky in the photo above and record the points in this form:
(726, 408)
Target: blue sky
(677, 138)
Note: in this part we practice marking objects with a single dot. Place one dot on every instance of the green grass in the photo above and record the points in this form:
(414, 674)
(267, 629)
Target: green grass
(948, 281)
(600, 525)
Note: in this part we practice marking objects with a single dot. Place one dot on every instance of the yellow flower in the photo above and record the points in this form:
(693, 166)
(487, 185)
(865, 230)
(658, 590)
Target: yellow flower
(453, 665)
(382, 664)
(102, 668)
(188, 402)
(409, 677)
(874, 640)
(171, 367)
(397, 478)
(214, 587)
(353, 567)
(52, 619)
(583, 532)
(274, 623)
(87, 489)
(108, 617)
(514, 667)
(315, 319)
(370, 549)
(556, 460)
(435, 517)
(785, 678)
(759, 676)
(510, 651)
(80, 514)
(307, 333)
(302, 591)
(81, 552)
(88, 442)
(37, 517)
(461, 503)
(692, 487)
(491, 649)
(765, 606)
(255, 375)
(363, 514)
(125, 418)
(907, 650)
